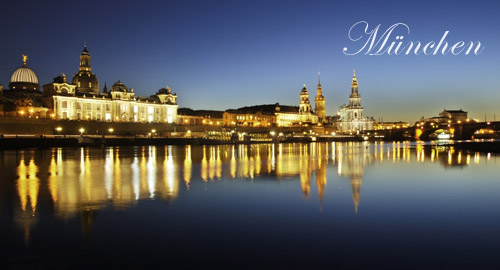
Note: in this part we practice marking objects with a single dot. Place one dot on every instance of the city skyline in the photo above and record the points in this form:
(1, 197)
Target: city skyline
(242, 54)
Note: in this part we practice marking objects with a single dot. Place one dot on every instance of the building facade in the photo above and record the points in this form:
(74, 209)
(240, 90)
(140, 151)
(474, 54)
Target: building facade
(119, 105)
(186, 116)
(351, 116)
(390, 125)
(253, 116)
(82, 100)
(454, 115)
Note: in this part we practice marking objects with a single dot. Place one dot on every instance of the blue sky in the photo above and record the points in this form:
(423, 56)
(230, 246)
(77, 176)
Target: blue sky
(228, 54)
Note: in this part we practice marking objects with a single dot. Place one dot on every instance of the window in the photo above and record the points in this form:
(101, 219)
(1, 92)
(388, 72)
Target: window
(65, 104)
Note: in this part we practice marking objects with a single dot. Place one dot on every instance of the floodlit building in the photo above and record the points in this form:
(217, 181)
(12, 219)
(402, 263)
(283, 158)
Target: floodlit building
(253, 116)
(119, 105)
(23, 98)
(81, 100)
(351, 116)
(187, 116)
(390, 125)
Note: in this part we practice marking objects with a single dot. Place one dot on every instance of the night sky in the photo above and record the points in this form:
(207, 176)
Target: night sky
(227, 54)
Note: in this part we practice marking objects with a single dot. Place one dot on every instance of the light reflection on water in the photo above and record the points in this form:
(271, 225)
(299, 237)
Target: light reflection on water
(123, 176)
(84, 180)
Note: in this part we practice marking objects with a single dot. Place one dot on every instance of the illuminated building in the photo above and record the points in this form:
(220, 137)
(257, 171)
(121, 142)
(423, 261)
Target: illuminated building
(186, 116)
(119, 105)
(390, 125)
(23, 98)
(448, 115)
(351, 116)
(276, 114)
(319, 103)
(253, 116)
(81, 100)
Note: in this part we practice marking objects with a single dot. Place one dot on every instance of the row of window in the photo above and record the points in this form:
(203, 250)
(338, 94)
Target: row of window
(122, 108)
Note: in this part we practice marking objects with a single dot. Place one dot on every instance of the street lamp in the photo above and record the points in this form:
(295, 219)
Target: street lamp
(82, 130)
(110, 130)
(59, 129)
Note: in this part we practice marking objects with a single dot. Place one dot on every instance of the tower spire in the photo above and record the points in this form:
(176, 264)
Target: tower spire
(319, 101)
(354, 84)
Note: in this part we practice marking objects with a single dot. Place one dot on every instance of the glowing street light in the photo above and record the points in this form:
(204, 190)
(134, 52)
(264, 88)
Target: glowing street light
(82, 130)
(110, 130)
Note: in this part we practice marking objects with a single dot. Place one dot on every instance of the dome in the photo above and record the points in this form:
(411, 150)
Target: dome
(119, 87)
(24, 74)
(304, 90)
(24, 78)
(86, 82)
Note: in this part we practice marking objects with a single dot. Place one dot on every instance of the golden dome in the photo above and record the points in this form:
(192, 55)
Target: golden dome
(24, 78)
(24, 75)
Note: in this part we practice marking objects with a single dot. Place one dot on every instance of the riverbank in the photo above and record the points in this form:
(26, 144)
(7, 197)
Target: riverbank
(20, 142)
(477, 146)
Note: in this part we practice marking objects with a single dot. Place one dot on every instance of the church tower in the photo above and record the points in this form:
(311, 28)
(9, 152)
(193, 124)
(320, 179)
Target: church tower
(319, 102)
(304, 105)
(354, 98)
(85, 81)
(351, 116)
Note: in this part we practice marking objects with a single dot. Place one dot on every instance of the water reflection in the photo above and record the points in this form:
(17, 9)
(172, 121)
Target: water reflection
(82, 181)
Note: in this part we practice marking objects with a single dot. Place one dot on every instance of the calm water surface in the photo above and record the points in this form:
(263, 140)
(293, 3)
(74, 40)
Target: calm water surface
(319, 205)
